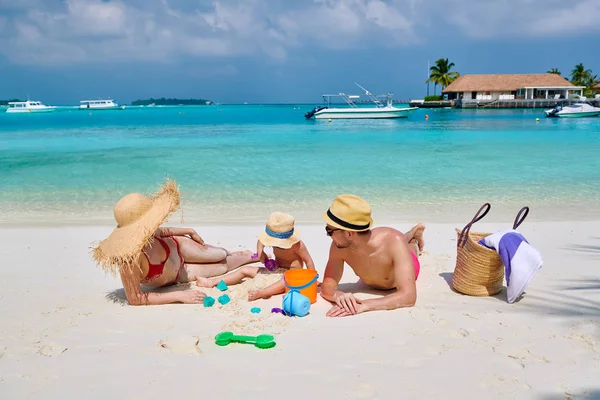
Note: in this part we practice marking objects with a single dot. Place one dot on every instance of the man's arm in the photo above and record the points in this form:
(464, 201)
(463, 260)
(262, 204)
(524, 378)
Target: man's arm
(333, 274)
(404, 276)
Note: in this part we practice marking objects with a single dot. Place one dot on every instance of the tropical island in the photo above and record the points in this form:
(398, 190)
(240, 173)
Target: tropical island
(171, 102)
(5, 102)
(507, 90)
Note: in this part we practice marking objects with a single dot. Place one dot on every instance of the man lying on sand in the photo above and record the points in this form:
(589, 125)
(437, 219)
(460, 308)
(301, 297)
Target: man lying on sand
(148, 255)
(383, 258)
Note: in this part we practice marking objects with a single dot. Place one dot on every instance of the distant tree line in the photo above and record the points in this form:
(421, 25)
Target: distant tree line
(5, 102)
(171, 102)
(580, 76)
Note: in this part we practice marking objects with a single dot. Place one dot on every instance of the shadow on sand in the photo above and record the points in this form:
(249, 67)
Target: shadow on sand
(118, 296)
(591, 394)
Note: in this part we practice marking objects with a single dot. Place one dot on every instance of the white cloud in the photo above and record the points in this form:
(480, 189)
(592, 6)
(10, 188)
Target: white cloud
(78, 31)
(520, 18)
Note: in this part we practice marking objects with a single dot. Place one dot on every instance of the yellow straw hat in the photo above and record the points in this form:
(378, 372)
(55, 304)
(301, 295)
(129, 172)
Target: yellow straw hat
(280, 231)
(349, 213)
(138, 217)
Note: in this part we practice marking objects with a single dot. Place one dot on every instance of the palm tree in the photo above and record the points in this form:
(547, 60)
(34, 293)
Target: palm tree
(441, 75)
(580, 75)
(553, 71)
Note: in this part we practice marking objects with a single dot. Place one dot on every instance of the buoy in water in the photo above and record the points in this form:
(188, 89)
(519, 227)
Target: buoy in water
(329, 120)
(537, 120)
(426, 116)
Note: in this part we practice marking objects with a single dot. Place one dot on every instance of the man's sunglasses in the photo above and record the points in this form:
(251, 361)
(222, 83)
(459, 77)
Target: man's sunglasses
(330, 231)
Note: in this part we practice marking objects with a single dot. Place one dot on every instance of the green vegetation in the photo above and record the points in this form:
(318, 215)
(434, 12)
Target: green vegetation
(584, 77)
(441, 75)
(433, 98)
(554, 71)
(171, 102)
(5, 102)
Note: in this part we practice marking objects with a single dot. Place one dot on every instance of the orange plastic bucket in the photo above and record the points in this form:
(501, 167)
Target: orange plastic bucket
(302, 280)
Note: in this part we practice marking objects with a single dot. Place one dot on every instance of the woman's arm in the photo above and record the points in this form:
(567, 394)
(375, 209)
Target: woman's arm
(132, 281)
(162, 232)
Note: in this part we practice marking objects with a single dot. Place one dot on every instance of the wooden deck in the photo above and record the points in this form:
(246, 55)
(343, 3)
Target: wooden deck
(518, 103)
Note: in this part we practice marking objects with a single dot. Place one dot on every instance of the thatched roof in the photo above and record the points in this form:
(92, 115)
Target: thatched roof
(504, 82)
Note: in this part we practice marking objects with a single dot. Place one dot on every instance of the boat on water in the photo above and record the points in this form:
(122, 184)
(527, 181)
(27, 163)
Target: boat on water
(354, 111)
(99, 105)
(576, 110)
(28, 106)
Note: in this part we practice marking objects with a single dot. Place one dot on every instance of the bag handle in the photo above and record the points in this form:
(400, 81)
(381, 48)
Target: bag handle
(462, 238)
(519, 219)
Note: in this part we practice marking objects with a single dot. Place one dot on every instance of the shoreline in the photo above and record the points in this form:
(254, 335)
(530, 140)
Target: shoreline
(248, 214)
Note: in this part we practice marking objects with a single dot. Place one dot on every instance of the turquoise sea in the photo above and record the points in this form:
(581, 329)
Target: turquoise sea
(237, 163)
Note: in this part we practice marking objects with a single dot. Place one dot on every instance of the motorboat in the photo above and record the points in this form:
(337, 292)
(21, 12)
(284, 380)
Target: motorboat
(576, 110)
(99, 105)
(354, 111)
(28, 106)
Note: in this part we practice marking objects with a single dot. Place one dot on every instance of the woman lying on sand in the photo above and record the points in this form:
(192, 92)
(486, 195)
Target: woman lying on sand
(148, 255)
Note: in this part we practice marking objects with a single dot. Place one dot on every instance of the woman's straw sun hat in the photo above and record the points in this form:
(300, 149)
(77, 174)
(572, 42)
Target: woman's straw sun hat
(280, 231)
(138, 217)
(349, 213)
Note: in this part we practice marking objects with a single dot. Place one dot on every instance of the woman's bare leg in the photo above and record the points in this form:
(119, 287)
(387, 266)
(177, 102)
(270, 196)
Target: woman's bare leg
(232, 278)
(190, 272)
(195, 253)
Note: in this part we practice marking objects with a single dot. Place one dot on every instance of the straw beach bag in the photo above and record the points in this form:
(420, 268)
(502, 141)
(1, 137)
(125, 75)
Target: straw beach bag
(479, 271)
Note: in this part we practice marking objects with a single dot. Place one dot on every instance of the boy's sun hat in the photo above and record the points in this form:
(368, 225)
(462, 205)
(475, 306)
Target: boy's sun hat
(138, 217)
(280, 231)
(349, 213)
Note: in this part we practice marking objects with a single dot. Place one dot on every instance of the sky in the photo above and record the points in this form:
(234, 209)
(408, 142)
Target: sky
(278, 51)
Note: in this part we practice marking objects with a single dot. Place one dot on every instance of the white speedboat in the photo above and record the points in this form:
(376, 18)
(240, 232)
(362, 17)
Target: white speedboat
(353, 111)
(576, 110)
(28, 107)
(99, 105)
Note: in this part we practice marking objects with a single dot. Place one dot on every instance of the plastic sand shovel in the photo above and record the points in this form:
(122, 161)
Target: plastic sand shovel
(260, 341)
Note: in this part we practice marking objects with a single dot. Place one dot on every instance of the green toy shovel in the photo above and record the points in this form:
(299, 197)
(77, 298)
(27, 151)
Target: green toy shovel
(260, 341)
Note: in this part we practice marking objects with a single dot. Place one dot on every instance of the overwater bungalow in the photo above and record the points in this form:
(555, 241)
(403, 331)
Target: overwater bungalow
(511, 90)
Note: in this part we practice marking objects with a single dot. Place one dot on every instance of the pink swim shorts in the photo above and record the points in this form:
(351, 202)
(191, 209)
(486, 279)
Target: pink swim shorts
(416, 264)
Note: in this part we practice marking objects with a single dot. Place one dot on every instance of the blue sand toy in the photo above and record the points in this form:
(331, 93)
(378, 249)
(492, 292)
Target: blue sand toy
(295, 303)
(224, 299)
(255, 310)
(222, 286)
(209, 301)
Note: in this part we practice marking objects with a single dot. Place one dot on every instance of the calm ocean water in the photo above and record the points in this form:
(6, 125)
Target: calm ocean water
(238, 163)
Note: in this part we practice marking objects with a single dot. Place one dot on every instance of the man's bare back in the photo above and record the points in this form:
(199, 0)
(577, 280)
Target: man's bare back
(373, 262)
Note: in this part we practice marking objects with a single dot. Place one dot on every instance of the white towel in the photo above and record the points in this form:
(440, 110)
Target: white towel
(521, 260)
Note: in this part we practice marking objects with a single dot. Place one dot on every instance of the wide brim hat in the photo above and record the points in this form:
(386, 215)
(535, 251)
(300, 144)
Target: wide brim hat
(280, 231)
(349, 212)
(138, 217)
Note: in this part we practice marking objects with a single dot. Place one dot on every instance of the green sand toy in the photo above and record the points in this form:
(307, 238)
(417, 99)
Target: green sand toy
(260, 341)
(222, 286)
(224, 299)
(208, 301)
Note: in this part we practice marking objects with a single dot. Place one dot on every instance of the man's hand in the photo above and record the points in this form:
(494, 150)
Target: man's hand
(337, 311)
(192, 297)
(195, 237)
(347, 302)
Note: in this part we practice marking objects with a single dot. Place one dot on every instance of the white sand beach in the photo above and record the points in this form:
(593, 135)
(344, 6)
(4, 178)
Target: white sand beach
(66, 331)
